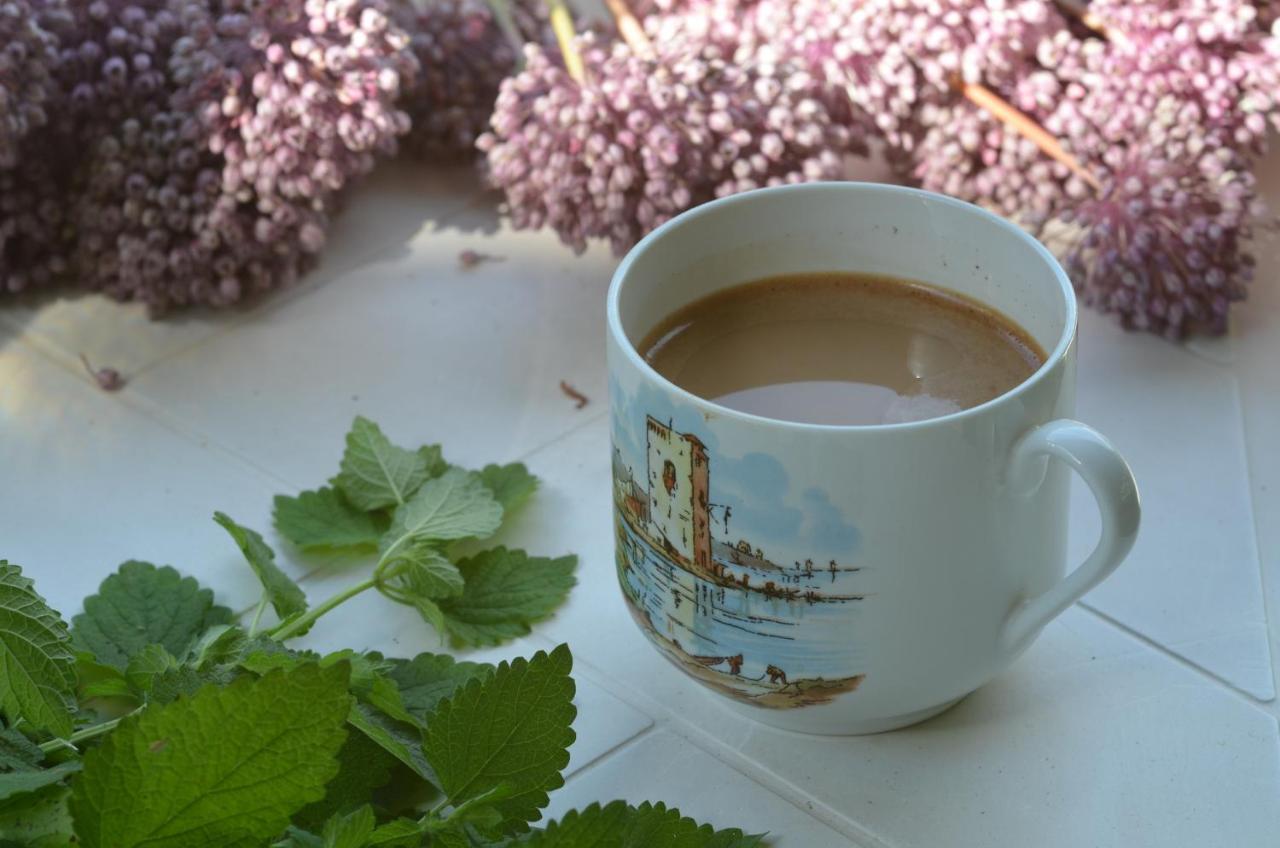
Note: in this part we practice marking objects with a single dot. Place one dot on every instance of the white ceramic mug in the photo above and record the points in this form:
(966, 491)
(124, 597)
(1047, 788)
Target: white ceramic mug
(851, 579)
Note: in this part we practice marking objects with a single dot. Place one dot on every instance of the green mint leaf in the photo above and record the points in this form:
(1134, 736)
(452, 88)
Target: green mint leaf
(97, 680)
(37, 820)
(37, 666)
(225, 768)
(219, 645)
(369, 680)
(148, 664)
(351, 830)
(427, 679)
(385, 695)
(371, 684)
(458, 839)
(511, 484)
(511, 727)
(324, 518)
(736, 839)
(400, 740)
(363, 767)
(296, 837)
(376, 473)
(505, 591)
(431, 613)
(142, 605)
(261, 662)
(421, 571)
(365, 668)
(455, 505)
(400, 833)
(595, 827)
(620, 825)
(433, 458)
(481, 814)
(22, 782)
(285, 596)
(172, 684)
(17, 752)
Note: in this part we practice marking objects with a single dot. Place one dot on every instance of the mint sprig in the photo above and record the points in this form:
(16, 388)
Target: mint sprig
(427, 508)
(159, 720)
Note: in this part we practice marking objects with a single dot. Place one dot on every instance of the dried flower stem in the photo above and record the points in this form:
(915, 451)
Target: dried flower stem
(502, 15)
(1079, 9)
(630, 29)
(562, 26)
(1006, 113)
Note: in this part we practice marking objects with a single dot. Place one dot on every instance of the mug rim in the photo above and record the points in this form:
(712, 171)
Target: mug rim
(713, 207)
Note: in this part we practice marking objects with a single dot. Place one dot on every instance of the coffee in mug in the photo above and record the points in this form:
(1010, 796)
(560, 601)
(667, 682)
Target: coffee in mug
(842, 348)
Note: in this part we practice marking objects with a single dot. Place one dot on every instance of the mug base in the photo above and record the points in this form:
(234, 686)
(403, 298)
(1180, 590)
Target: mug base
(794, 720)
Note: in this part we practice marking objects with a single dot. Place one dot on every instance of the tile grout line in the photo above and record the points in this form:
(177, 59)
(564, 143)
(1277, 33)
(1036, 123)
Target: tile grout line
(198, 438)
(555, 440)
(1270, 708)
(598, 759)
(1264, 589)
(139, 405)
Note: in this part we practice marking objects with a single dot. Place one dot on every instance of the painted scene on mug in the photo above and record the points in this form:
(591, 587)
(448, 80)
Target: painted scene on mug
(746, 579)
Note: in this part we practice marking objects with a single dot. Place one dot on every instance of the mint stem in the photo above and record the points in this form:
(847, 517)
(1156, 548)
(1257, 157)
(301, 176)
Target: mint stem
(257, 616)
(85, 733)
(432, 821)
(300, 624)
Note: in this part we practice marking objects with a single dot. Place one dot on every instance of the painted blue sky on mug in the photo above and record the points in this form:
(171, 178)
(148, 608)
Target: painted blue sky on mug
(788, 522)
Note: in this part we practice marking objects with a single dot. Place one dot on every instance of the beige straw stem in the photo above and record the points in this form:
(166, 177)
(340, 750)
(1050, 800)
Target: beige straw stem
(630, 29)
(562, 26)
(985, 98)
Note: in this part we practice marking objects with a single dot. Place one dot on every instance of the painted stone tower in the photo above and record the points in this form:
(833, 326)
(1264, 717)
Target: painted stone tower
(679, 490)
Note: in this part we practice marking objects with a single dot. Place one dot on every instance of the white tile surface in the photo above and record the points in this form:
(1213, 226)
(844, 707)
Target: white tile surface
(87, 482)
(1192, 582)
(1091, 739)
(664, 767)
(471, 359)
(1254, 333)
(603, 724)
(1149, 723)
(397, 203)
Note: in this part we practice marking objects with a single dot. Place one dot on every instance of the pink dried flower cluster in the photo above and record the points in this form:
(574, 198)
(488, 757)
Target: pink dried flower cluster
(1159, 107)
(1165, 105)
(183, 152)
(196, 148)
(642, 139)
(463, 56)
(27, 55)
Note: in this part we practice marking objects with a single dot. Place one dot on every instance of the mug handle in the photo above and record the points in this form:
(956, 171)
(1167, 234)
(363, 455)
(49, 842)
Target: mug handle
(1096, 460)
